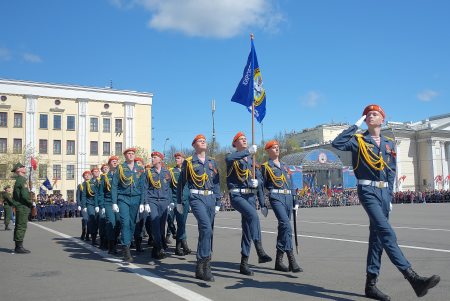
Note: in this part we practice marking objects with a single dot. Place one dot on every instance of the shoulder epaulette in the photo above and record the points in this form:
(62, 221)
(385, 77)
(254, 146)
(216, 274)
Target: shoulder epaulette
(189, 159)
(265, 163)
(229, 153)
(211, 158)
(358, 135)
(389, 138)
(284, 162)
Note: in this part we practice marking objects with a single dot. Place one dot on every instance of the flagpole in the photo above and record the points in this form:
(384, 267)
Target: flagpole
(253, 118)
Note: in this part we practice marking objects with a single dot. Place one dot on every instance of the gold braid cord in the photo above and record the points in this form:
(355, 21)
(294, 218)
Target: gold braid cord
(124, 179)
(242, 174)
(369, 156)
(108, 184)
(273, 177)
(194, 177)
(174, 182)
(157, 185)
(81, 187)
(89, 190)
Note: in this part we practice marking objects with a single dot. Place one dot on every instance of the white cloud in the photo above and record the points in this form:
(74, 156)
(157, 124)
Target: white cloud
(312, 99)
(209, 18)
(427, 95)
(5, 55)
(32, 58)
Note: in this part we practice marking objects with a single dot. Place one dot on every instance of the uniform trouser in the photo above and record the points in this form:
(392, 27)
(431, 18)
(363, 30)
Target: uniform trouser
(158, 215)
(12, 216)
(140, 224)
(8, 211)
(251, 229)
(170, 223)
(128, 213)
(38, 211)
(376, 203)
(181, 218)
(282, 208)
(92, 219)
(112, 223)
(101, 223)
(21, 222)
(203, 209)
(84, 219)
(148, 226)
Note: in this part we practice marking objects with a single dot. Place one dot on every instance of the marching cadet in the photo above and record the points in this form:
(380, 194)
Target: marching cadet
(140, 220)
(242, 191)
(201, 174)
(182, 210)
(283, 200)
(102, 212)
(157, 202)
(89, 203)
(374, 162)
(7, 205)
(22, 198)
(127, 195)
(171, 229)
(83, 213)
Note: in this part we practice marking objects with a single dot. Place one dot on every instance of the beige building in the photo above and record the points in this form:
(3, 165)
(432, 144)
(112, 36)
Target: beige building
(72, 128)
(317, 134)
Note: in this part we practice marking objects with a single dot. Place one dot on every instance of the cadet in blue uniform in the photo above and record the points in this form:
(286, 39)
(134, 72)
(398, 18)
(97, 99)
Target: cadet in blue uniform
(182, 210)
(283, 200)
(102, 210)
(90, 204)
(83, 213)
(201, 174)
(242, 191)
(171, 229)
(127, 195)
(373, 157)
(140, 219)
(157, 202)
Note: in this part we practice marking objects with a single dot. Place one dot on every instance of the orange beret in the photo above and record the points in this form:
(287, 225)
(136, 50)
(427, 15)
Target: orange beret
(158, 154)
(148, 166)
(138, 159)
(270, 144)
(94, 168)
(105, 165)
(131, 149)
(86, 172)
(198, 137)
(237, 137)
(374, 108)
(113, 158)
(179, 155)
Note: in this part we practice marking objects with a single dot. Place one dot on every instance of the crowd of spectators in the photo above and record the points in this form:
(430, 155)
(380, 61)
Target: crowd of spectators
(427, 196)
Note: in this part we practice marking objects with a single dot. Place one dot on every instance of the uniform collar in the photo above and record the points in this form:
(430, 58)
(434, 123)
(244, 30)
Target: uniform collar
(273, 163)
(195, 158)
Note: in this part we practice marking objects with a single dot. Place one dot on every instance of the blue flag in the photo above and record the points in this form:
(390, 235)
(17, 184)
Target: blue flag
(41, 191)
(250, 88)
(47, 184)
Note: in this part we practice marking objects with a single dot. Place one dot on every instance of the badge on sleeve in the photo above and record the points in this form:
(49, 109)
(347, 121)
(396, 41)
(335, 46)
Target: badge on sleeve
(25, 185)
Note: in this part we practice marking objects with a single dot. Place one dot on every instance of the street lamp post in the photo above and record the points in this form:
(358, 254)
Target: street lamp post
(213, 106)
(165, 147)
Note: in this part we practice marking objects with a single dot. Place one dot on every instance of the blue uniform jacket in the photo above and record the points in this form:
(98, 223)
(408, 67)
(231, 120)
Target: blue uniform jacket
(153, 193)
(209, 167)
(346, 141)
(173, 186)
(122, 191)
(268, 184)
(86, 198)
(233, 180)
(104, 195)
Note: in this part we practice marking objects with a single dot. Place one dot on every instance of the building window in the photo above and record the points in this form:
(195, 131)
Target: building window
(56, 171)
(106, 148)
(56, 192)
(2, 145)
(71, 122)
(118, 148)
(42, 171)
(43, 146)
(17, 146)
(106, 125)
(57, 102)
(4, 98)
(70, 147)
(69, 195)
(17, 120)
(94, 125)
(2, 171)
(43, 122)
(106, 106)
(118, 125)
(70, 171)
(57, 122)
(94, 148)
(56, 146)
(3, 119)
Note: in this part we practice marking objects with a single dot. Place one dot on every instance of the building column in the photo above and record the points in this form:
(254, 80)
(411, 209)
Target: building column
(432, 172)
(82, 137)
(444, 166)
(129, 124)
(398, 174)
(30, 131)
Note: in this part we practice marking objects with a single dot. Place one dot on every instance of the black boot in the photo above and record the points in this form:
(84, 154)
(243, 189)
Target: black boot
(262, 256)
(138, 245)
(199, 269)
(185, 247)
(83, 234)
(243, 268)
(19, 248)
(371, 289)
(293, 266)
(279, 266)
(126, 253)
(421, 285)
(87, 235)
(111, 246)
(178, 250)
(7, 228)
(168, 241)
(164, 244)
(207, 275)
(94, 239)
(160, 249)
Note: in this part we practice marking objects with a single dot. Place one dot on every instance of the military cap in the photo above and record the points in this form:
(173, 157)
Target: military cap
(374, 108)
(18, 165)
(179, 155)
(270, 144)
(6, 187)
(198, 137)
(158, 154)
(237, 137)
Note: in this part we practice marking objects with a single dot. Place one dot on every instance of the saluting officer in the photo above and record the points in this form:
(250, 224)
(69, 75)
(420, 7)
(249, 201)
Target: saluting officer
(242, 191)
(201, 174)
(22, 199)
(374, 163)
(182, 210)
(90, 205)
(8, 203)
(83, 213)
(127, 195)
(283, 200)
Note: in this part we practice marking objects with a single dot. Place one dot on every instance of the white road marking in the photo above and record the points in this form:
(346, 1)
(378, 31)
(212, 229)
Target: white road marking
(155, 279)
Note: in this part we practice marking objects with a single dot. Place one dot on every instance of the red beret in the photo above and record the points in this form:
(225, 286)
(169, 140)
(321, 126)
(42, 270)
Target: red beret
(131, 149)
(374, 108)
(148, 166)
(270, 144)
(138, 159)
(180, 155)
(105, 165)
(86, 172)
(94, 168)
(158, 154)
(113, 158)
(237, 137)
(198, 137)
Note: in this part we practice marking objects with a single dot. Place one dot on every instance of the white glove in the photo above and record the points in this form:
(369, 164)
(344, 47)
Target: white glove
(147, 208)
(141, 208)
(180, 208)
(360, 121)
(264, 211)
(97, 209)
(79, 208)
(115, 208)
(103, 211)
(390, 207)
(252, 149)
(84, 209)
(296, 209)
(254, 183)
(217, 210)
(171, 206)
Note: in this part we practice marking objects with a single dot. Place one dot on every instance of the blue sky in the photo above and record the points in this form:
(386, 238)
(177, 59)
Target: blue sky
(320, 60)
